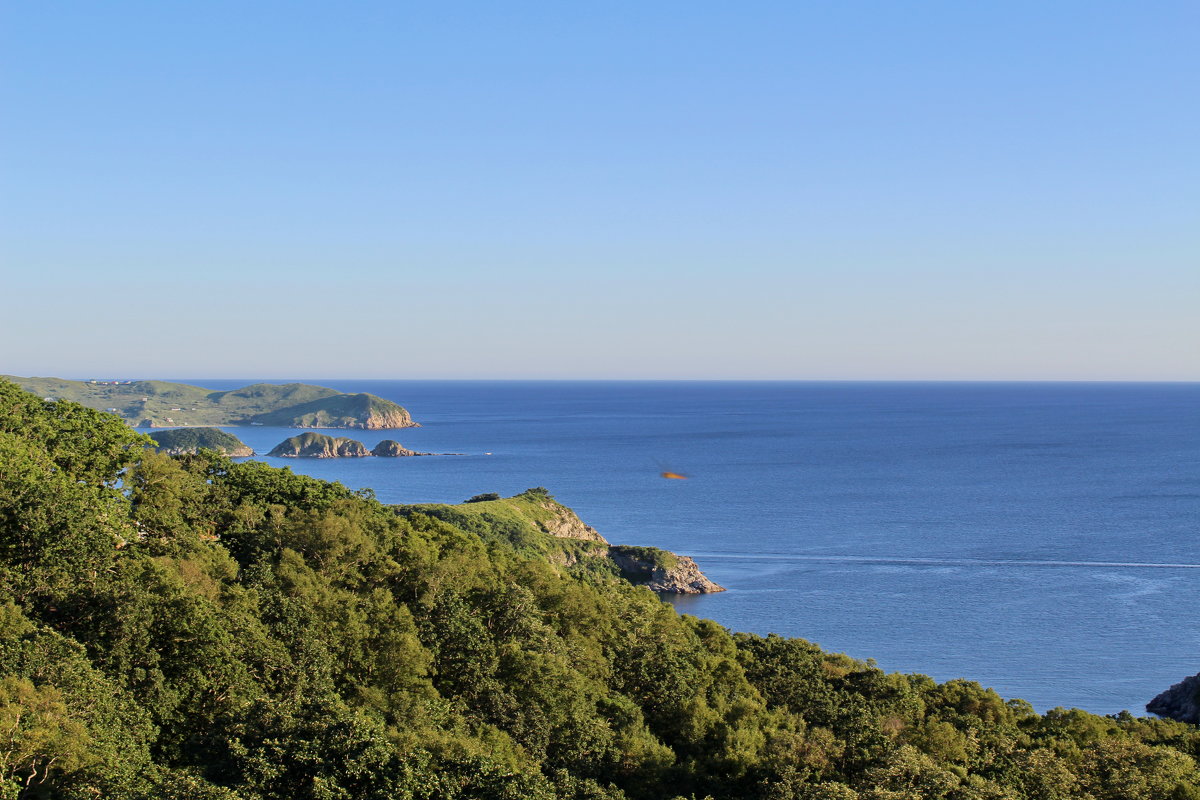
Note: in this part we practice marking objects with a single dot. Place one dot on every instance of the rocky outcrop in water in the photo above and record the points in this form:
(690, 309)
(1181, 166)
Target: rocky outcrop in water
(392, 449)
(1181, 702)
(318, 445)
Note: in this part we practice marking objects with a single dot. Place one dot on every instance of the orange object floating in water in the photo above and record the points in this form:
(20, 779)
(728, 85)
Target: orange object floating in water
(674, 476)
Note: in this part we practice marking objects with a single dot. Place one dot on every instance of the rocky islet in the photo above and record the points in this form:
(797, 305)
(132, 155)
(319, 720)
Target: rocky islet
(320, 445)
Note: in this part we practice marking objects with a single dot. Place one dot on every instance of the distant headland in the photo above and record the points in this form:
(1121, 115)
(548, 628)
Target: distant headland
(159, 404)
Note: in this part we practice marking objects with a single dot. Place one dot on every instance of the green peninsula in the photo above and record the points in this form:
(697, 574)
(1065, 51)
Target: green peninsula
(535, 523)
(159, 404)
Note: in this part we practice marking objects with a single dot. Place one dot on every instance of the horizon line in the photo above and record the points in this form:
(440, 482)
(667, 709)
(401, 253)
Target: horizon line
(294, 379)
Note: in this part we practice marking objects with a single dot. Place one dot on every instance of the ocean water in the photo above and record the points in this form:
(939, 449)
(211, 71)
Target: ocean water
(1041, 539)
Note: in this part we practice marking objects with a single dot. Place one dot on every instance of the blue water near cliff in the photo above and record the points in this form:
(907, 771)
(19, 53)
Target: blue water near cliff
(1042, 539)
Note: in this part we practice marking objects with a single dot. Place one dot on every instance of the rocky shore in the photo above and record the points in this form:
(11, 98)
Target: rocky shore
(658, 570)
(678, 575)
(1181, 702)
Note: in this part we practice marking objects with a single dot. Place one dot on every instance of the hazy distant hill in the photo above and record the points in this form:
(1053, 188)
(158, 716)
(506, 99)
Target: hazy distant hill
(161, 404)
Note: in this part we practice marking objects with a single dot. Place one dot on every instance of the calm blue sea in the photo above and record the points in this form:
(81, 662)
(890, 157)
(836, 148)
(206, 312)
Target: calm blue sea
(1042, 539)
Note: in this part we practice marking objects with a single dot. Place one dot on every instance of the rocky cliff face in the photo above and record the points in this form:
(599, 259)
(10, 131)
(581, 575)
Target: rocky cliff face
(389, 417)
(1180, 702)
(662, 571)
(350, 448)
(318, 445)
(659, 570)
(566, 525)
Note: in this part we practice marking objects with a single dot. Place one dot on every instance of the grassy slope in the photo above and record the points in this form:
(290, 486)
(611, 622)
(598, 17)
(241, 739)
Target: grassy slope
(529, 510)
(522, 521)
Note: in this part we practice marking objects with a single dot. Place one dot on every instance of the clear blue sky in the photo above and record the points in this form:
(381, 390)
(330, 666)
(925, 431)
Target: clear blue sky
(944, 190)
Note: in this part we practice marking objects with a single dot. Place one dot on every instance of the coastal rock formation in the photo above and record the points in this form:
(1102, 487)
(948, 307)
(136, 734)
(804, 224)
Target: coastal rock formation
(385, 415)
(391, 449)
(658, 570)
(318, 445)
(662, 570)
(183, 441)
(1181, 702)
(565, 524)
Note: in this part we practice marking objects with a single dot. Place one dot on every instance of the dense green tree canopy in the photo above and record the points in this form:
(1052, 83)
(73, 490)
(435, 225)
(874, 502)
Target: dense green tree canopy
(195, 628)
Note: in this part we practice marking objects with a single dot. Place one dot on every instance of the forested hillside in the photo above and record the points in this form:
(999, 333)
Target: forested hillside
(196, 628)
